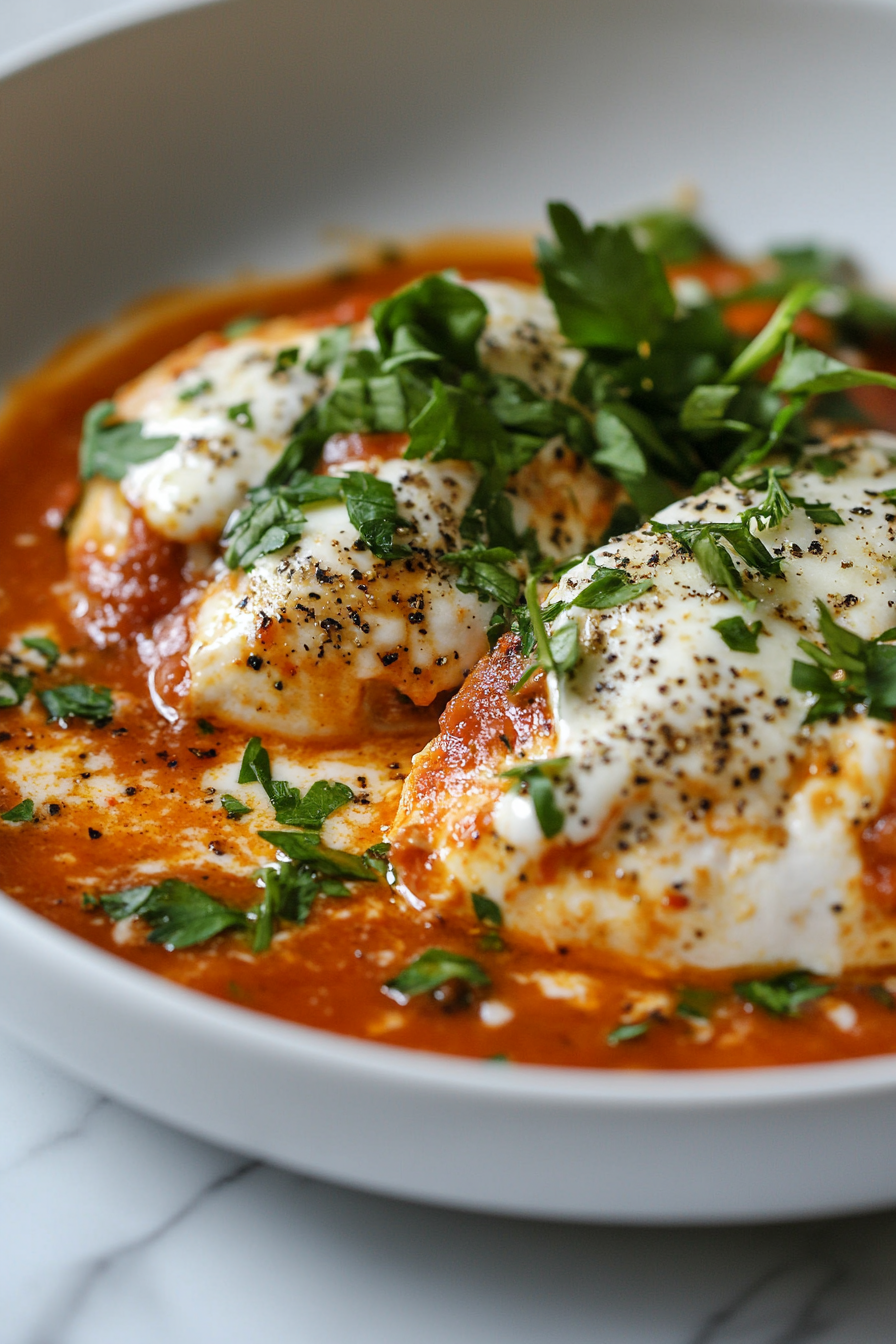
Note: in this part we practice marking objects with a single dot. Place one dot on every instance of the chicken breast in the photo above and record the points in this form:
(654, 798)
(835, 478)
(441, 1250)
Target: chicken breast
(683, 810)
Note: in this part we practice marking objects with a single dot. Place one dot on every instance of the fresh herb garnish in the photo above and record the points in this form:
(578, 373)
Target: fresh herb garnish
(205, 727)
(610, 588)
(739, 636)
(536, 779)
(850, 671)
(310, 812)
(432, 969)
(607, 292)
(47, 648)
(486, 910)
(286, 359)
(483, 571)
(23, 811)
(782, 995)
(558, 653)
(696, 1003)
(179, 913)
(242, 415)
(627, 1031)
(13, 688)
(233, 807)
(197, 390)
(241, 326)
(76, 700)
(274, 516)
(372, 509)
(110, 447)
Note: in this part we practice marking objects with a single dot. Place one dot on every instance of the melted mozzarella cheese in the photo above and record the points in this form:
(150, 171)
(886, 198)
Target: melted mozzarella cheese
(188, 492)
(704, 824)
(295, 644)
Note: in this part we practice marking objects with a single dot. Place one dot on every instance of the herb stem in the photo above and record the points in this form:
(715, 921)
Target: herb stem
(769, 341)
(542, 642)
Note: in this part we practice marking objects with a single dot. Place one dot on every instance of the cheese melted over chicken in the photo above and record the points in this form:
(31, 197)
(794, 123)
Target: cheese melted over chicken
(703, 824)
(321, 639)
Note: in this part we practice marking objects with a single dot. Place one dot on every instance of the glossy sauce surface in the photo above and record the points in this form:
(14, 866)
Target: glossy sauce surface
(139, 794)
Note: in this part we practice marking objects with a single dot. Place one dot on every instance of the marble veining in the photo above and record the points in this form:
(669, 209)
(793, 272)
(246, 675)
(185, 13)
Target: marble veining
(117, 1230)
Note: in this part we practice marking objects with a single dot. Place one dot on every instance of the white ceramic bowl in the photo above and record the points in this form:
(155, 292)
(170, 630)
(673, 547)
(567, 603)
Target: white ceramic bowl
(228, 135)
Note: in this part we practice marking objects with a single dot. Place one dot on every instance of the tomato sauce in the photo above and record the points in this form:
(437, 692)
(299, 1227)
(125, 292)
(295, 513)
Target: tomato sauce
(154, 774)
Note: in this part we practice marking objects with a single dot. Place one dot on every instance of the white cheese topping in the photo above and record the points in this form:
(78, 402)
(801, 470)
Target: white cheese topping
(188, 492)
(703, 823)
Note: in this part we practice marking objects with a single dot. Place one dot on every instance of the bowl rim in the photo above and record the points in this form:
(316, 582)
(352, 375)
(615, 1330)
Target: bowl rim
(291, 1044)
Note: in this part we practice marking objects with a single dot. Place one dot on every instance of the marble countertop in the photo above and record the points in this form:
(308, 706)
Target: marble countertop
(118, 1230)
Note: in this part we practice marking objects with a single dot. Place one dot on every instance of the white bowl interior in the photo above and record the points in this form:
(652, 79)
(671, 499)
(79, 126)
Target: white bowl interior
(230, 136)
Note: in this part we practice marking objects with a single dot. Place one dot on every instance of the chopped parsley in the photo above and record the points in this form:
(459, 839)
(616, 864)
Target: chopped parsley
(536, 779)
(274, 516)
(242, 415)
(483, 571)
(739, 636)
(197, 390)
(23, 811)
(47, 648)
(78, 701)
(373, 510)
(627, 1031)
(13, 688)
(850, 671)
(486, 910)
(696, 1004)
(310, 812)
(432, 969)
(782, 995)
(109, 446)
(233, 807)
(557, 653)
(179, 913)
(286, 359)
(610, 588)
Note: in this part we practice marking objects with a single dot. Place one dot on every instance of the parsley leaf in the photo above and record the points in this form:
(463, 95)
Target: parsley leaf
(179, 913)
(233, 807)
(627, 1031)
(610, 588)
(286, 359)
(47, 648)
(739, 636)
(320, 801)
(782, 995)
(242, 415)
(303, 847)
(433, 318)
(274, 516)
(558, 653)
(772, 336)
(696, 1003)
(191, 393)
(76, 700)
(483, 572)
(23, 811)
(486, 910)
(535, 778)
(332, 346)
(606, 291)
(674, 236)
(432, 969)
(849, 672)
(806, 372)
(13, 688)
(373, 510)
(109, 447)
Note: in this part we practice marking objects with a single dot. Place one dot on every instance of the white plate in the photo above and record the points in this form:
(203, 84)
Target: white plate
(229, 135)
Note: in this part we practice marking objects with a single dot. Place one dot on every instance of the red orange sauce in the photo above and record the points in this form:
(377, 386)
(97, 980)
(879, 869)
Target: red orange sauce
(328, 974)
